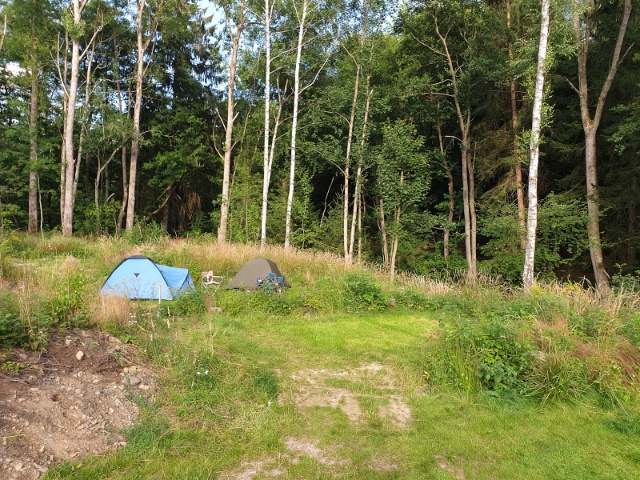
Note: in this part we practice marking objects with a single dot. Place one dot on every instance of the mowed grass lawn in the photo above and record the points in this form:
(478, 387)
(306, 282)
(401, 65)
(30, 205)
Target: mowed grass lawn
(343, 396)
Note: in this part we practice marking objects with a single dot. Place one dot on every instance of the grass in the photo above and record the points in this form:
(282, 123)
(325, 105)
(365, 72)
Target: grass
(308, 385)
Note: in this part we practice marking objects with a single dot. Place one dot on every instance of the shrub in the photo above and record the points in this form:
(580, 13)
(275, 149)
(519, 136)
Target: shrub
(12, 332)
(67, 309)
(474, 355)
(189, 303)
(414, 299)
(362, 293)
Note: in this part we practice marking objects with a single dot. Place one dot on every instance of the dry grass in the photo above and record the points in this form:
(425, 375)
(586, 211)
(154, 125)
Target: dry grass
(111, 309)
(426, 284)
(583, 297)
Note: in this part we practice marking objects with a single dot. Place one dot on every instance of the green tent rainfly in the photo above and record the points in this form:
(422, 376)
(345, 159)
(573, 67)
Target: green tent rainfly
(251, 273)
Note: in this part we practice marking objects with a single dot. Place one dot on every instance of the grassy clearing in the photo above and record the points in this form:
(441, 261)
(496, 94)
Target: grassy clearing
(327, 380)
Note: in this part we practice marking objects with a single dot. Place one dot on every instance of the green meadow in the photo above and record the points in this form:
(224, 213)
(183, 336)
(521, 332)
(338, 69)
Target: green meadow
(346, 375)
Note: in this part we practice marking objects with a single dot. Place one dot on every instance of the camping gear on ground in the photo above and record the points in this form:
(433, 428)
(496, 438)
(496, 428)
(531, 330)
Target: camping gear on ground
(211, 280)
(271, 283)
(254, 273)
(139, 277)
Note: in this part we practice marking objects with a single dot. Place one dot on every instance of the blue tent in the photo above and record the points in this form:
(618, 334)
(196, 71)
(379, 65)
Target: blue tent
(139, 277)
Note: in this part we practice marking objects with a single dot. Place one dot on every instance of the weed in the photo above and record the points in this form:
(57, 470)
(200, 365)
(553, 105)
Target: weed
(12, 331)
(362, 293)
(67, 309)
(189, 304)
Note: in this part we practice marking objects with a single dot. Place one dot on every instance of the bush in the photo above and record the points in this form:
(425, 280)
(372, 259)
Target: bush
(362, 293)
(189, 303)
(67, 309)
(474, 355)
(12, 332)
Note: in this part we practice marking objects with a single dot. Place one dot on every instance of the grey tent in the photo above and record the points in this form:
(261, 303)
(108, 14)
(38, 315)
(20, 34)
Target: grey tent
(254, 272)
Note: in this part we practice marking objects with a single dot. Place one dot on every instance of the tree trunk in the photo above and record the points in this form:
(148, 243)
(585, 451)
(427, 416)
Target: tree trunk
(590, 126)
(385, 241)
(137, 107)
(632, 222)
(228, 141)
(33, 149)
(267, 135)
(534, 148)
(450, 187)
(67, 218)
(294, 124)
(142, 46)
(593, 209)
(396, 237)
(347, 168)
(472, 214)
(464, 123)
(514, 125)
(357, 194)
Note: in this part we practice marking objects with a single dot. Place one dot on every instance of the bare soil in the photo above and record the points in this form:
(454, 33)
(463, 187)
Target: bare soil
(71, 400)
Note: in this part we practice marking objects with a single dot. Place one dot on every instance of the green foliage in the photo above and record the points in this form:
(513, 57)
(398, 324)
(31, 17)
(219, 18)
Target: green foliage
(12, 331)
(146, 232)
(67, 309)
(472, 355)
(363, 293)
(413, 299)
(560, 239)
(189, 304)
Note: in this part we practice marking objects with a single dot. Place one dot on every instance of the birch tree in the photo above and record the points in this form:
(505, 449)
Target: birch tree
(534, 148)
(143, 43)
(235, 23)
(75, 29)
(304, 14)
(267, 157)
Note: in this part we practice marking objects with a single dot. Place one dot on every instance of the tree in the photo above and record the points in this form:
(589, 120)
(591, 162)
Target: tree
(582, 18)
(143, 43)
(267, 152)
(402, 183)
(75, 30)
(532, 216)
(235, 22)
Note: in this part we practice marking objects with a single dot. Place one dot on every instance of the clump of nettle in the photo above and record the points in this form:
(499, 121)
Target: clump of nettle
(544, 346)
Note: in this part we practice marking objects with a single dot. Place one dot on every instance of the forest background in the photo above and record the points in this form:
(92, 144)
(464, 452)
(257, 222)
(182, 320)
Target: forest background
(392, 132)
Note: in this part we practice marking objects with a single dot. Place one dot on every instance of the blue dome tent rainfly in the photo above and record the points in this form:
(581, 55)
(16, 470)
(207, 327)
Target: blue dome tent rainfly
(139, 277)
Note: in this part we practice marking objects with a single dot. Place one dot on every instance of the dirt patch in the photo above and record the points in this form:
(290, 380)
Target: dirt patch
(315, 388)
(296, 448)
(67, 402)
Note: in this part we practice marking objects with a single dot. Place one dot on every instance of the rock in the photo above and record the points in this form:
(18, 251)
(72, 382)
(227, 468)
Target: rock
(132, 380)
(80, 355)
(67, 341)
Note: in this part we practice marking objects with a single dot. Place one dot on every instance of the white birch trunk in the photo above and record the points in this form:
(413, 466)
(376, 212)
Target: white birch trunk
(69, 170)
(294, 124)
(234, 37)
(534, 148)
(137, 107)
(267, 135)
